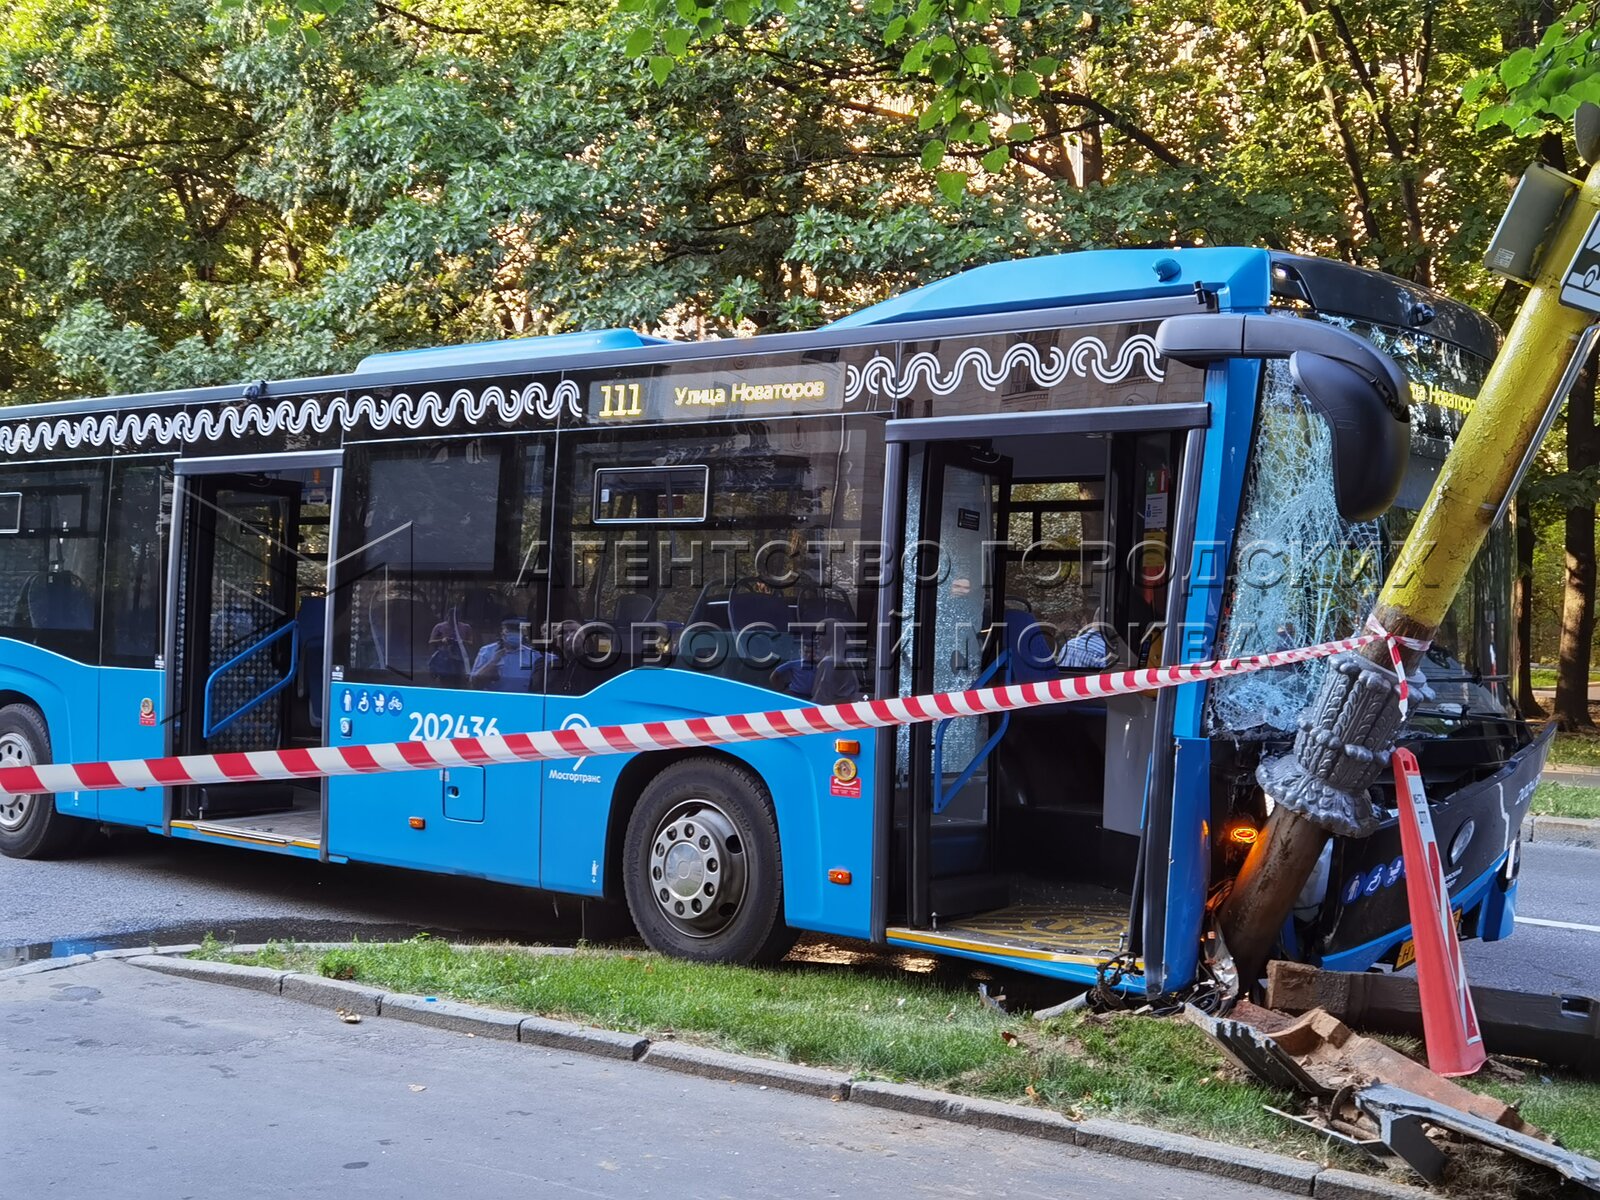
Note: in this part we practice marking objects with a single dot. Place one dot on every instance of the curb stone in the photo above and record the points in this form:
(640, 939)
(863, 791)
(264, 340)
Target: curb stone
(454, 1016)
(38, 966)
(717, 1064)
(1106, 1137)
(42, 965)
(1016, 1118)
(258, 979)
(565, 1035)
(908, 1098)
(967, 1110)
(1334, 1184)
(333, 993)
(1565, 831)
(1213, 1158)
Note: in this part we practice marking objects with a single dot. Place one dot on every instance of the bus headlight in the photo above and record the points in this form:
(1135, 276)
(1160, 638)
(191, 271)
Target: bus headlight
(1462, 839)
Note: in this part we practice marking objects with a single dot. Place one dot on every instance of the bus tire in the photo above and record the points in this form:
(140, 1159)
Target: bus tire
(701, 865)
(30, 826)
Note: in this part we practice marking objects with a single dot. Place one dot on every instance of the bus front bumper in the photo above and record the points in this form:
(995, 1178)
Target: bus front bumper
(1365, 918)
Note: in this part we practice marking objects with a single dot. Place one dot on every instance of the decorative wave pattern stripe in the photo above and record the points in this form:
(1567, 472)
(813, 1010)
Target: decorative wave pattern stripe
(1087, 356)
(588, 741)
(292, 415)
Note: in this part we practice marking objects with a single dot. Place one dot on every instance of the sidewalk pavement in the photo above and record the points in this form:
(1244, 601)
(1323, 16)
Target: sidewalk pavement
(1573, 776)
(127, 1082)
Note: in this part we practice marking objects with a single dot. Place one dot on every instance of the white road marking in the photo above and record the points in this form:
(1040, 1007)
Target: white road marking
(1558, 924)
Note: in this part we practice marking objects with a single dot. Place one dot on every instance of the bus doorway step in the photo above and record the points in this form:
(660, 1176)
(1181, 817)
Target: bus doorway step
(222, 801)
(1090, 933)
(298, 827)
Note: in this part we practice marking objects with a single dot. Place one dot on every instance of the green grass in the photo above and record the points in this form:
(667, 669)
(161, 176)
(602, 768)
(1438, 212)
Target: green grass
(1564, 800)
(1576, 750)
(1545, 677)
(893, 1026)
(1569, 1108)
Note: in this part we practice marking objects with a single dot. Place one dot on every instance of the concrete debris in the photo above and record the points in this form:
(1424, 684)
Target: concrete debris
(1338, 1058)
(1561, 1030)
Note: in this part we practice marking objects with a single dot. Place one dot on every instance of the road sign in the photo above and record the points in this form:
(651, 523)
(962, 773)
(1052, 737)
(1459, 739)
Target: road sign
(1581, 286)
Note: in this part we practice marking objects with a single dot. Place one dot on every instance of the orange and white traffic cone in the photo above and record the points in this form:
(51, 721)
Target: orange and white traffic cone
(1449, 1022)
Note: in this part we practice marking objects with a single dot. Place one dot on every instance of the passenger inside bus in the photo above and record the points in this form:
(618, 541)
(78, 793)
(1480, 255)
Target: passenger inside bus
(508, 664)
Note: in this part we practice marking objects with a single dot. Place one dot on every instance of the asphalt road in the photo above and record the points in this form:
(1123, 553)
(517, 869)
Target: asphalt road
(140, 889)
(121, 1082)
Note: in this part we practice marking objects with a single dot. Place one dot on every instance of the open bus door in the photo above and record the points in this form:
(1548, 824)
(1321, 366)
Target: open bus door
(248, 625)
(1039, 835)
(956, 581)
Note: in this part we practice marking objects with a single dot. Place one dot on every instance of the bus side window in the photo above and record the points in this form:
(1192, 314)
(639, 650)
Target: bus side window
(141, 511)
(50, 560)
(446, 546)
(727, 549)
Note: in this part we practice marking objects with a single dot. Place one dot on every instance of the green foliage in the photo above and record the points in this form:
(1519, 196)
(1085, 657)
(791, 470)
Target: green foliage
(1544, 83)
(247, 201)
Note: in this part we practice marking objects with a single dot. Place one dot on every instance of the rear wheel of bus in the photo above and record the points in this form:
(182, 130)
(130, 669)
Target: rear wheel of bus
(701, 865)
(30, 826)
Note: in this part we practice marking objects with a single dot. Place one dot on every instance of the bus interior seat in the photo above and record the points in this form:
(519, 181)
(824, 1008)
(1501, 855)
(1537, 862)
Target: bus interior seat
(1032, 655)
(711, 605)
(748, 607)
(816, 603)
(1040, 741)
(59, 600)
(634, 608)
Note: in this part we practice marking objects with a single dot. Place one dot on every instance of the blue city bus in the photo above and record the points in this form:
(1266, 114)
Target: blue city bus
(1036, 468)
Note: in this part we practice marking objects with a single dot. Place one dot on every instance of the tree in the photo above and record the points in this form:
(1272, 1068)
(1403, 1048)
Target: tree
(1534, 92)
(426, 171)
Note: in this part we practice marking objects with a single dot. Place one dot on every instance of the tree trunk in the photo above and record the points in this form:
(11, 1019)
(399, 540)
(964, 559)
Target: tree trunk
(1522, 614)
(1577, 599)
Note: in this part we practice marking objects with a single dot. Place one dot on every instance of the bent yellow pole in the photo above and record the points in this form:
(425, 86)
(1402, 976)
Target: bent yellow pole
(1481, 467)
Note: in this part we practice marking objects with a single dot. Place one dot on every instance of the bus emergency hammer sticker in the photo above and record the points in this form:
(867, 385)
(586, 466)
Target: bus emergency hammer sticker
(628, 739)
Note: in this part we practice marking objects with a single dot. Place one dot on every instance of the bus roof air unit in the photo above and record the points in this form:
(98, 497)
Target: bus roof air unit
(510, 350)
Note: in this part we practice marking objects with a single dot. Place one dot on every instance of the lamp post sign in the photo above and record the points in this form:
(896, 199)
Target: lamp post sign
(1581, 286)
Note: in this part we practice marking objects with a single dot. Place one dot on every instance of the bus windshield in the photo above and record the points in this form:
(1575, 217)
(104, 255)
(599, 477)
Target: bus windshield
(1301, 574)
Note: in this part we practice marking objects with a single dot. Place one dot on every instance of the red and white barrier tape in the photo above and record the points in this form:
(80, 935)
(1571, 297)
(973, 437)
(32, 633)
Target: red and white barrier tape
(1395, 641)
(628, 739)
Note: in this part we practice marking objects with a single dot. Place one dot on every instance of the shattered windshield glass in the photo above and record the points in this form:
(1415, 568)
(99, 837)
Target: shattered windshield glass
(1301, 574)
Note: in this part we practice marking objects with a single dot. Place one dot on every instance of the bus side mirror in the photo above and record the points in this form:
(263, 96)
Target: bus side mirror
(1359, 391)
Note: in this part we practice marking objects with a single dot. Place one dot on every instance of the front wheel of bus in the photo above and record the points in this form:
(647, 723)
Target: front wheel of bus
(30, 826)
(701, 865)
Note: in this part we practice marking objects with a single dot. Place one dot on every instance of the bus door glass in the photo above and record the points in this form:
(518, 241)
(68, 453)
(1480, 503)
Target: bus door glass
(954, 587)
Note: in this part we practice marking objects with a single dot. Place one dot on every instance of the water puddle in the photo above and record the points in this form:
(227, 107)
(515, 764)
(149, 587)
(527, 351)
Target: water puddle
(266, 929)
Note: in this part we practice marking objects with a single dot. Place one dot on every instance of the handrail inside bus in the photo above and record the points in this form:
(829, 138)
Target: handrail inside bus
(292, 628)
(943, 795)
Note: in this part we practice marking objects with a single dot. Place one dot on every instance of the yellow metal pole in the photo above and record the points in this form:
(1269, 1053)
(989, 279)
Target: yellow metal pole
(1480, 468)
(1436, 556)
